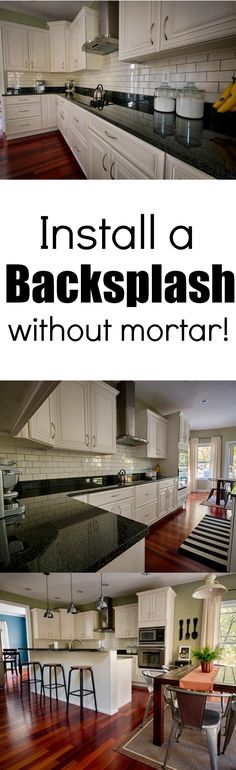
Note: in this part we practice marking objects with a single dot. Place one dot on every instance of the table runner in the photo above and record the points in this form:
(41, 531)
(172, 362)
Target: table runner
(196, 680)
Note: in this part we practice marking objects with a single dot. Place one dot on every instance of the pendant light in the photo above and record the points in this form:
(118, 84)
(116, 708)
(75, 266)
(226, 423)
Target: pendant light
(71, 610)
(210, 588)
(48, 613)
(101, 605)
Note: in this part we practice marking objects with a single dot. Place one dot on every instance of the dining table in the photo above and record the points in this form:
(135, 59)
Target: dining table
(221, 488)
(223, 682)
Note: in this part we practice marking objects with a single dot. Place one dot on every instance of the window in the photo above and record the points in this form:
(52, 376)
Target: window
(230, 460)
(227, 638)
(203, 461)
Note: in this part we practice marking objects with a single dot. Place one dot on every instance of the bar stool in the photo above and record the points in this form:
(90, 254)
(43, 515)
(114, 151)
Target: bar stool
(81, 692)
(11, 661)
(30, 679)
(56, 669)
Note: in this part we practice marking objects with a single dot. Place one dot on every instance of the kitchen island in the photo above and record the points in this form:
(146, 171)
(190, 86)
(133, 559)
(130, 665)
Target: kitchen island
(112, 674)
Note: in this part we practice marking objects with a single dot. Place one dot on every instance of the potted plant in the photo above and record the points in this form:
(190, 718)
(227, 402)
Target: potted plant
(206, 656)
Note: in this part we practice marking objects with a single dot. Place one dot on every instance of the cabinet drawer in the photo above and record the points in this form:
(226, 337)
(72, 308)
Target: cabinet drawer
(18, 111)
(80, 150)
(150, 160)
(18, 100)
(147, 514)
(145, 494)
(104, 498)
(23, 126)
(78, 121)
(167, 483)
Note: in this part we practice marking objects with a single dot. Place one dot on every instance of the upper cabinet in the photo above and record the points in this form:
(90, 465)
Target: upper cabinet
(79, 416)
(15, 48)
(25, 48)
(45, 628)
(155, 606)
(139, 29)
(184, 429)
(184, 24)
(85, 623)
(153, 428)
(84, 27)
(126, 621)
(58, 36)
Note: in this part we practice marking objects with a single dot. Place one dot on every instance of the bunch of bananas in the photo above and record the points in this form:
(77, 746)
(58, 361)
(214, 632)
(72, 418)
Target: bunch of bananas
(227, 102)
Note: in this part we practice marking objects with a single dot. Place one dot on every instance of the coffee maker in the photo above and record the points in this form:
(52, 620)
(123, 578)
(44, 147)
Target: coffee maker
(9, 477)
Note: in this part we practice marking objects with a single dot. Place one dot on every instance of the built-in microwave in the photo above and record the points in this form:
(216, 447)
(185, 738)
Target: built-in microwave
(151, 657)
(152, 635)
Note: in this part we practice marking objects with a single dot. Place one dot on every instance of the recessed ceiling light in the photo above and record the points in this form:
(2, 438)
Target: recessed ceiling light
(79, 592)
(27, 589)
(57, 597)
(204, 401)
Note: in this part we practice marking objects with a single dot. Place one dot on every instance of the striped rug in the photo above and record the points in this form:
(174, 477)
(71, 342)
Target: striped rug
(209, 543)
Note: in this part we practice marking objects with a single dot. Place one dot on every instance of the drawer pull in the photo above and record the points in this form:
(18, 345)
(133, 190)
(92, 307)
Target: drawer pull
(76, 148)
(151, 28)
(76, 120)
(26, 65)
(110, 136)
(32, 65)
(24, 111)
(25, 125)
(62, 116)
(104, 156)
(53, 433)
(87, 439)
(94, 441)
(165, 23)
(112, 165)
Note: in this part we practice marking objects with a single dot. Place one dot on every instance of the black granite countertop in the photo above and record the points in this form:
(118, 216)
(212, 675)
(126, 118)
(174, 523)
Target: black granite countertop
(60, 649)
(60, 534)
(207, 149)
(83, 484)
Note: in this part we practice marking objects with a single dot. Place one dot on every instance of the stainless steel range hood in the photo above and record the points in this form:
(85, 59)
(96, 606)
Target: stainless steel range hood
(105, 622)
(107, 40)
(126, 415)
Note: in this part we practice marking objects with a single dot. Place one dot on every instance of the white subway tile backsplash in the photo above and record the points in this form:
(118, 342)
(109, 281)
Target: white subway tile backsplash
(143, 78)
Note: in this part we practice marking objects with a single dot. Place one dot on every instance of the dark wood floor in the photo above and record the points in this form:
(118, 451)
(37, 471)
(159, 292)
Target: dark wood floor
(164, 539)
(46, 156)
(44, 739)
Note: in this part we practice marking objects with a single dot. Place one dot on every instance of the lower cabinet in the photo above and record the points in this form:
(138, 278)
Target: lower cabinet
(115, 154)
(177, 169)
(48, 104)
(167, 498)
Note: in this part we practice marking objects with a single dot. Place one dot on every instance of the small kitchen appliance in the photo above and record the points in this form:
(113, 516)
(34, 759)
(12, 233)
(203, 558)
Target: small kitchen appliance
(152, 635)
(9, 477)
(69, 86)
(40, 86)
(151, 656)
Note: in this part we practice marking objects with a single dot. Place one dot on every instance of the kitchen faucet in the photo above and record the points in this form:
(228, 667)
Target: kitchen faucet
(72, 642)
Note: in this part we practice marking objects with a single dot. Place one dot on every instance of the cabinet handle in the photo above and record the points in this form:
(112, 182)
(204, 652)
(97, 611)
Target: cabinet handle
(104, 156)
(26, 65)
(32, 65)
(94, 441)
(151, 28)
(112, 177)
(87, 439)
(76, 148)
(62, 116)
(76, 120)
(53, 432)
(25, 125)
(24, 111)
(165, 23)
(110, 136)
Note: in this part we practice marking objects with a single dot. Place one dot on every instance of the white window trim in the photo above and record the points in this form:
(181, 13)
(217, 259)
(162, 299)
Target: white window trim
(228, 446)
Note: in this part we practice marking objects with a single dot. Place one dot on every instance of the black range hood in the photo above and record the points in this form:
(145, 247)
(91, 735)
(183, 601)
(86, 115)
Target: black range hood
(126, 415)
(105, 622)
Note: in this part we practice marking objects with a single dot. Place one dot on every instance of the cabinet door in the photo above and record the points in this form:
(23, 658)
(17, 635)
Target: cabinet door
(67, 626)
(147, 514)
(158, 606)
(145, 608)
(41, 427)
(172, 498)
(126, 622)
(48, 102)
(99, 157)
(125, 508)
(177, 169)
(39, 59)
(163, 503)
(161, 438)
(152, 436)
(72, 415)
(120, 168)
(15, 48)
(138, 29)
(58, 48)
(184, 24)
(84, 625)
(103, 419)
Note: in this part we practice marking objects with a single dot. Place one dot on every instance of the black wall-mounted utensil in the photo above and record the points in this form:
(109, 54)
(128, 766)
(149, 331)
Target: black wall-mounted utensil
(181, 623)
(187, 635)
(195, 633)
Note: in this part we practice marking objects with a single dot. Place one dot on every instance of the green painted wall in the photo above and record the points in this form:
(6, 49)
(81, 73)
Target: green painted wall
(227, 434)
(21, 18)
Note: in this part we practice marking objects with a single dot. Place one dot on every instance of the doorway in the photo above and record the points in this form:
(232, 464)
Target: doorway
(14, 628)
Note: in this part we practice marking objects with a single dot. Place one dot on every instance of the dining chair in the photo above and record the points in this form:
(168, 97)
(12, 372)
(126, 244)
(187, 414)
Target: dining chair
(149, 678)
(230, 722)
(191, 713)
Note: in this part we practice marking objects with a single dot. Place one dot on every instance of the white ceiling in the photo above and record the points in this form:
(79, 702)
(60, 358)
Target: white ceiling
(114, 585)
(171, 396)
(44, 9)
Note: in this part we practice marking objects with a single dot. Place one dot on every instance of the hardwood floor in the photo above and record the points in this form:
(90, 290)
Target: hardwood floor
(44, 739)
(46, 156)
(164, 539)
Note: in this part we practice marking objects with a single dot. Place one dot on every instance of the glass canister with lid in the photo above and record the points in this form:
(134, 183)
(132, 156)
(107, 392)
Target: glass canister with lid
(190, 102)
(164, 98)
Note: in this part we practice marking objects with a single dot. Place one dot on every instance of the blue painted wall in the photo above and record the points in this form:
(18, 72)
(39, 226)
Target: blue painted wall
(17, 632)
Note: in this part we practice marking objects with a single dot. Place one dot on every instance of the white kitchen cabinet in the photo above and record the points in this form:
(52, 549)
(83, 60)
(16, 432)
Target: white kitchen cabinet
(48, 103)
(119, 501)
(153, 428)
(15, 47)
(185, 24)
(99, 157)
(72, 415)
(85, 623)
(42, 427)
(38, 42)
(167, 498)
(58, 38)
(132, 560)
(184, 429)
(67, 625)
(139, 29)
(103, 418)
(146, 503)
(84, 27)
(177, 169)
(121, 168)
(126, 621)
(22, 115)
(154, 606)
(114, 153)
(45, 628)
(62, 117)
(147, 514)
